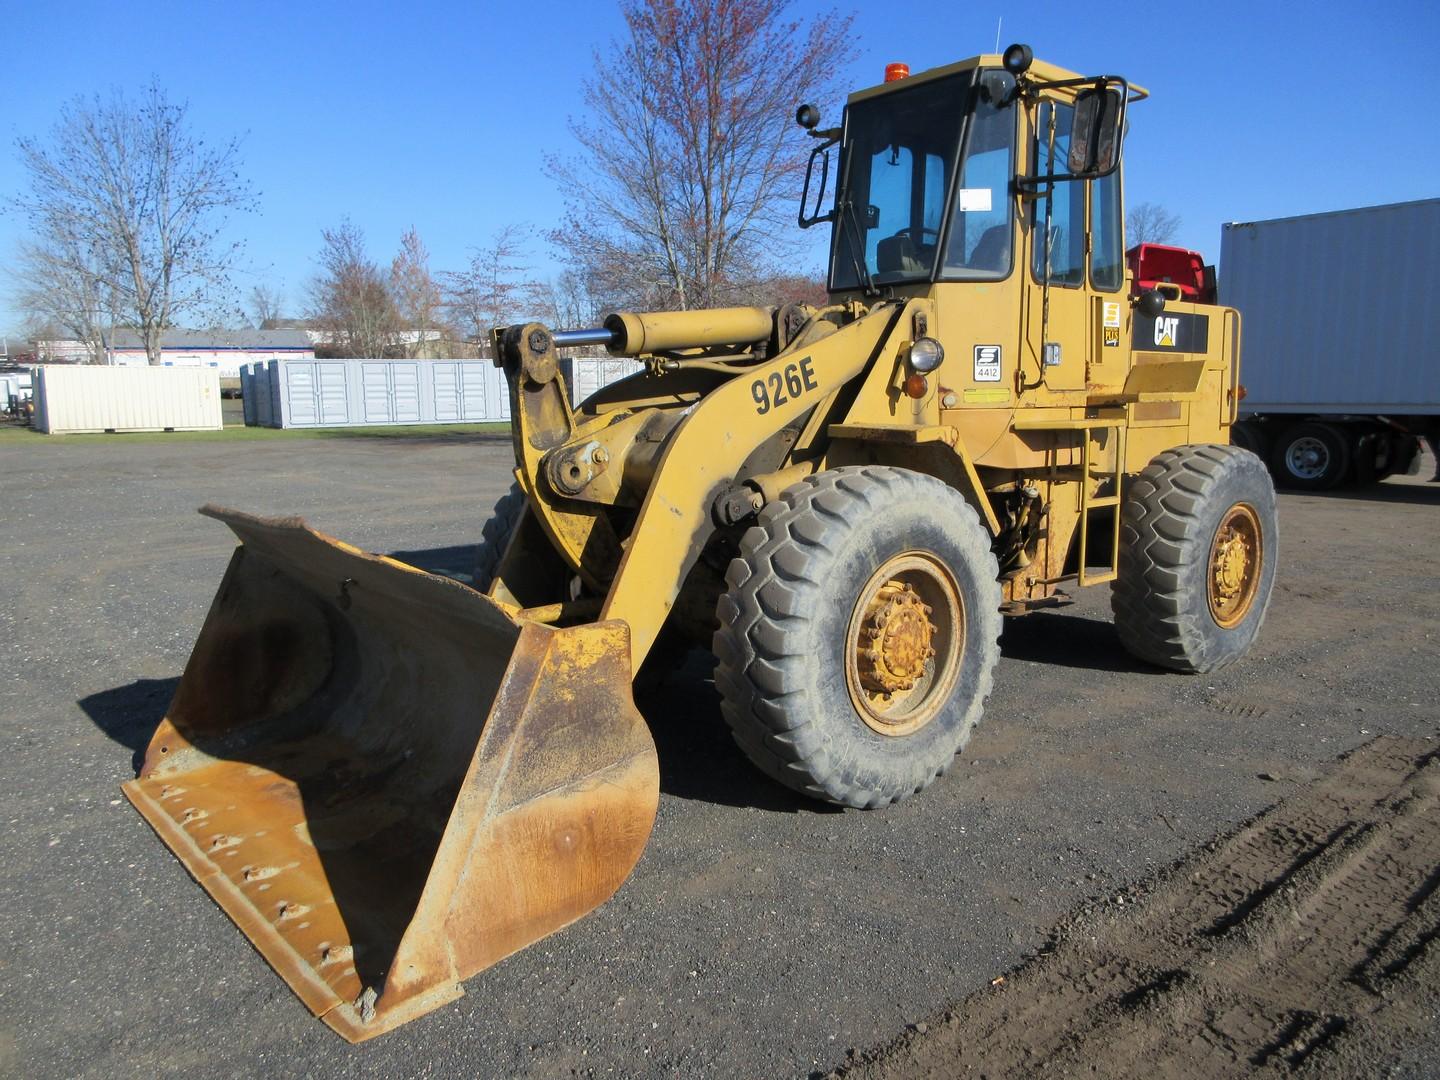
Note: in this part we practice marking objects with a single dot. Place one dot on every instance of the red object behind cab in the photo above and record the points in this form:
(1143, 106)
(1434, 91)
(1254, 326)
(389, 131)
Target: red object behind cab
(895, 72)
(1154, 264)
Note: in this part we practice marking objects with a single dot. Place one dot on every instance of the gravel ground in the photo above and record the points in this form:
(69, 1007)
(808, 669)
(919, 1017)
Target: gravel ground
(760, 934)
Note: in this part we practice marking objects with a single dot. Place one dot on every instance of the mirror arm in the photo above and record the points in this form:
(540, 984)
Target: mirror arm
(832, 136)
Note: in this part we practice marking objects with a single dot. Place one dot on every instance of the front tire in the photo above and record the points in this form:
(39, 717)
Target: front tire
(1198, 545)
(495, 536)
(859, 634)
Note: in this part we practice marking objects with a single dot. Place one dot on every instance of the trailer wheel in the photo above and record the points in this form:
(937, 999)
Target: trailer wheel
(1310, 456)
(1198, 544)
(858, 637)
(495, 535)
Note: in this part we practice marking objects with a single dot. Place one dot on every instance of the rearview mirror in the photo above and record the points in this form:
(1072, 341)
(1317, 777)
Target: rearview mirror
(1095, 138)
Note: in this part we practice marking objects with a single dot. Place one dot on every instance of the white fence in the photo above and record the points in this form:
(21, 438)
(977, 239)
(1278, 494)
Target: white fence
(363, 393)
(83, 397)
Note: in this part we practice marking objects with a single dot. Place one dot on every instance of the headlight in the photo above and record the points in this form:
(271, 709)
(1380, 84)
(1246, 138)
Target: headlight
(926, 354)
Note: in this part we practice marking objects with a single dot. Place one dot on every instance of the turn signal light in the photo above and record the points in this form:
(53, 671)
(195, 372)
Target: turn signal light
(916, 386)
(896, 72)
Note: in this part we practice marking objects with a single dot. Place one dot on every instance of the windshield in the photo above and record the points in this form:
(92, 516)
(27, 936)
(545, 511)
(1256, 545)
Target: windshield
(900, 151)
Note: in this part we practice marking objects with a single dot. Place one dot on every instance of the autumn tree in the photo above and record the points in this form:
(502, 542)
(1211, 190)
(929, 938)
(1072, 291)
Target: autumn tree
(494, 289)
(566, 300)
(127, 211)
(1150, 223)
(418, 301)
(688, 178)
(350, 298)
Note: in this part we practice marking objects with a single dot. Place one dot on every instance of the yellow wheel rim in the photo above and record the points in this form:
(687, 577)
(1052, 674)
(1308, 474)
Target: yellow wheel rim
(1237, 555)
(903, 644)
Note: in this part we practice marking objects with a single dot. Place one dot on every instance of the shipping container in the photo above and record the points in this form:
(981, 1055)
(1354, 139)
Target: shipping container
(82, 398)
(1341, 339)
(365, 393)
(247, 393)
(264, 393)
(586, 375)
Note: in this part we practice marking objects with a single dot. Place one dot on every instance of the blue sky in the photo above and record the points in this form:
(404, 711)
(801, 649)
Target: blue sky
(439, 114)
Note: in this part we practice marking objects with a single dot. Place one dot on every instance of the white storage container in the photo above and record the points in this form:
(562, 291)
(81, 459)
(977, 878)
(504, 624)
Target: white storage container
(588, 374)
(83, 397)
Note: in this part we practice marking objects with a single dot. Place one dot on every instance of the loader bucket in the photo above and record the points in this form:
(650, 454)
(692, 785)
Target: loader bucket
(388, 781)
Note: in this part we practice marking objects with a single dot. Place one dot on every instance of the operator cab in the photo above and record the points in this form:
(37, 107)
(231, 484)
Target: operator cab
(903, 216)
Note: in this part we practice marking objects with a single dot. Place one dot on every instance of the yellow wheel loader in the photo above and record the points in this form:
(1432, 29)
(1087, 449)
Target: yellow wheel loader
(391, 780)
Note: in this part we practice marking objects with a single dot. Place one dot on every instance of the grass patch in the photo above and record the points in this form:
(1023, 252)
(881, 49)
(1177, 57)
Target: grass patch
(12, 435)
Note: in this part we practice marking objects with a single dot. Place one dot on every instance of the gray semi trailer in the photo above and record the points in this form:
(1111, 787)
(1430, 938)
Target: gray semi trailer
(1341, 340)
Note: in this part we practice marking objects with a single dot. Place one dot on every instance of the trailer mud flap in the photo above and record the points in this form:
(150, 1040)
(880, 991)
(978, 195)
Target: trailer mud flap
(387, 781)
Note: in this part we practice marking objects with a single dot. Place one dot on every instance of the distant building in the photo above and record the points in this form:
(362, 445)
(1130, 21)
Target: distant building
(433, 344)
(224, 350)
(60, 351)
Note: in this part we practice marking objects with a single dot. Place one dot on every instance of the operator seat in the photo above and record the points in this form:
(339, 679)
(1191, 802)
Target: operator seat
(897, 255)
(993, 250)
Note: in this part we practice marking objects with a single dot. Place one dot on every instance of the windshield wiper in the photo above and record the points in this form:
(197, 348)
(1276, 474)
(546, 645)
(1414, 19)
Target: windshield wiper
(846, 207)
(852, 229)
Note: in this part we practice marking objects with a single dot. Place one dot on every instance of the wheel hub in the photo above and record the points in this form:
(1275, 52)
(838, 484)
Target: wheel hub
(1235, 562)
(903, 643)
(895, 640)
(1308, 458)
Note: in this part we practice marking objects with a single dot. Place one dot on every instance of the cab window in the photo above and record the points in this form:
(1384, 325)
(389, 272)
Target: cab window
(1063, 244)
(982, 232)
(1107, 235)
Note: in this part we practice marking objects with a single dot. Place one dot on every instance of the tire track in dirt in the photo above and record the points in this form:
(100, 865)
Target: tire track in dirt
(1304, 942)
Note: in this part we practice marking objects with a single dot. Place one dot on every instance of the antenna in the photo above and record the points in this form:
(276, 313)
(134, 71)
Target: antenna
(998, 23)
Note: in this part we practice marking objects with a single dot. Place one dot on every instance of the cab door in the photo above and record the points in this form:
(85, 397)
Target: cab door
(1056, 329)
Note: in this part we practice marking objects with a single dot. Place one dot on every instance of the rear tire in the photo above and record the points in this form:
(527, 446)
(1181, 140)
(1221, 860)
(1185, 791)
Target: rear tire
(822, 661)
(495, 536)
(1311, 457)
(1198, 545)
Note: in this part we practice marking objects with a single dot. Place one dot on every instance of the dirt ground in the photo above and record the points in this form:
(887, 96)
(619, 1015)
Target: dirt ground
(762, 934)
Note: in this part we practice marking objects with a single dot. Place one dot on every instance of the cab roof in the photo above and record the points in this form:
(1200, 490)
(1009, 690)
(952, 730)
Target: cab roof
(1041, 70)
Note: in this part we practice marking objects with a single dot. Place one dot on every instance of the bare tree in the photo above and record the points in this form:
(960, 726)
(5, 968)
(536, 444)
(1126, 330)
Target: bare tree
(417, 296)
(492, 289)
(350, 298)
(691, 157)
(1150, 223)
(124, 199)
(567, 300)
(63, 293)
(266, 303)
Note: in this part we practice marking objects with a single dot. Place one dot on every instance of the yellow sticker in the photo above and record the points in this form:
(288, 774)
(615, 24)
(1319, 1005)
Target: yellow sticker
(1112, 314)
(988, 396)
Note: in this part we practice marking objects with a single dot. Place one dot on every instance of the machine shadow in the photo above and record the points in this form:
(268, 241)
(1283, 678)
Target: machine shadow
(1044, 637)
(698, 758)
(130, 714)
(453, 562)
(1427, 494)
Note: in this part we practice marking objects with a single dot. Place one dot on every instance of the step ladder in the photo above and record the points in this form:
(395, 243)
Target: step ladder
(1089, 500)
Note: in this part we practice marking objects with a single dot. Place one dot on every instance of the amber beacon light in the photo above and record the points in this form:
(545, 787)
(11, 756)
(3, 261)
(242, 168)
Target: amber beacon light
(896, 72)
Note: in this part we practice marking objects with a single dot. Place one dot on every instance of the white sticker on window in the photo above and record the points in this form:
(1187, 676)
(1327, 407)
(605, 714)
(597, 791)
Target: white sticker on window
(975, 198)
(987, 363)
